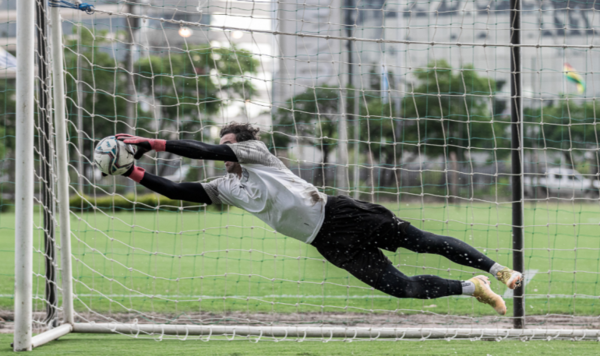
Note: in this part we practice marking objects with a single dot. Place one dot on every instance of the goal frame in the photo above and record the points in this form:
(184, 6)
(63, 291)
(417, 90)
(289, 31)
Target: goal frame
(23, 339)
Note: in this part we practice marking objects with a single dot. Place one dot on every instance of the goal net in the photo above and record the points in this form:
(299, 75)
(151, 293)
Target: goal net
(405, 104)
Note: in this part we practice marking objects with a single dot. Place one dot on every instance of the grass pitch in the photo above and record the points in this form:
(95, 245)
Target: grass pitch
(92, 345)
(182, 262)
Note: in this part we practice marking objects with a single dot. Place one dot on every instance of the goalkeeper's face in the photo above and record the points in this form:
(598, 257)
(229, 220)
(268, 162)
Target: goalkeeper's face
(231, 167)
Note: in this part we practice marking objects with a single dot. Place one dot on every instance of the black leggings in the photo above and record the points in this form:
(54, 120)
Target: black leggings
(395, 283)
(354, 232)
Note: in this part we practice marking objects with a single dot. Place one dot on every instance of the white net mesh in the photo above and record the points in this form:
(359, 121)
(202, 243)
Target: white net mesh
(401, 103)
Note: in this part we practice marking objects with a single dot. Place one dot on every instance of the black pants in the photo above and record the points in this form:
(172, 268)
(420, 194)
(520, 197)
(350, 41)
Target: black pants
(354, 232)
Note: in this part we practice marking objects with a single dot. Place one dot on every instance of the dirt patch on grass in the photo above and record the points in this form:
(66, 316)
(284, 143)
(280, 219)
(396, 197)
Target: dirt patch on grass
(397, 320)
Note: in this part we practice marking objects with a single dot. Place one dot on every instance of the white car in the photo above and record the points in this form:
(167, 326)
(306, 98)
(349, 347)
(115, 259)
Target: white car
(560, 182)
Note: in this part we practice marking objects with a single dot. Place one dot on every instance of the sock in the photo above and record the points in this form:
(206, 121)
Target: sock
(468, 288)
(496, 268)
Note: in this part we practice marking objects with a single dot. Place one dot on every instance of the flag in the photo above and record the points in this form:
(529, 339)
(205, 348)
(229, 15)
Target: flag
(7, 60)
(574, 77)
(385, 84)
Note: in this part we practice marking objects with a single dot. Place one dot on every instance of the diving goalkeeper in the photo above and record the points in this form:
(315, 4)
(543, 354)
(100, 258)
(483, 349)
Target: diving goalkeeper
(349, 233)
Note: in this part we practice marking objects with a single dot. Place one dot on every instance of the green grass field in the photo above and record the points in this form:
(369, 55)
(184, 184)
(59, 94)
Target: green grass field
(180, 262)
(123, 345)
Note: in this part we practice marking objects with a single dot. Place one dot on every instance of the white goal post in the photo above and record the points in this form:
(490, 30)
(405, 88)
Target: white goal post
(139, 265)
(24, 168)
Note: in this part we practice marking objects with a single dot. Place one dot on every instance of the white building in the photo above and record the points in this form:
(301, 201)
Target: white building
(437, 28)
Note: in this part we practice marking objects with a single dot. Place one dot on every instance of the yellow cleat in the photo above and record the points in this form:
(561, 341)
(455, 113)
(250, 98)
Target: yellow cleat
(511, 278)
(484, 294)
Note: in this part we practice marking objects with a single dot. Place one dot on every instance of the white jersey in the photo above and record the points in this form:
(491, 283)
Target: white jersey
(271, 192)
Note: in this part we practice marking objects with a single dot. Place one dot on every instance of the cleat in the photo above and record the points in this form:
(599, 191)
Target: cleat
(511, 278)
(484, 294)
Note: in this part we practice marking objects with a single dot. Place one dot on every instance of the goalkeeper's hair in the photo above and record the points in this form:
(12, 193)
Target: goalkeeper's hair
(242, 132)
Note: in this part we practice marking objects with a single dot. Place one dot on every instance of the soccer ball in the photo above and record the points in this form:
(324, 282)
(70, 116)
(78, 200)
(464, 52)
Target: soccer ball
(113, 157)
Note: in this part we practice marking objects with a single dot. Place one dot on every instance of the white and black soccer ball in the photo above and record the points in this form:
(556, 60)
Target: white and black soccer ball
(113, 157)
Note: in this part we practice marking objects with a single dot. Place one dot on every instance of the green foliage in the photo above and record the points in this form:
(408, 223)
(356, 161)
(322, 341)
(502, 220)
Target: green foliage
(103, 82)
(7, 115)
(379, 125)
(193, 84)
(451, 110)
(570, 127)
(313, 117)
(188, 85)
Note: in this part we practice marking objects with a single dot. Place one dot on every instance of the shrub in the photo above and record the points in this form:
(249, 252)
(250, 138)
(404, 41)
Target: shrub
(143, 202)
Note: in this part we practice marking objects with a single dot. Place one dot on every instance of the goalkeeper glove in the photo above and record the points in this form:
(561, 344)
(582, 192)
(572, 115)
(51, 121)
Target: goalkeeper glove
(143, 144)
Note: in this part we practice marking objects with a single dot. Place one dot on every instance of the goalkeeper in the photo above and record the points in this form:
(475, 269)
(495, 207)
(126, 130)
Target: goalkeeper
(349, 233)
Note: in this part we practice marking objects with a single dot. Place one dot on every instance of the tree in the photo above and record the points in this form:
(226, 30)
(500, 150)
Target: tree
(189, 86)
(451, 110)
(312, 117)
(570, 127)
(103, 82)
(7, 114)
(379, 123)
(192, 85)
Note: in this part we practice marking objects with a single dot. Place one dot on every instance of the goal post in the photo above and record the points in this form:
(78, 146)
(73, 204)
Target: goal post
(24, 168)
(62, 162)
(465, 130)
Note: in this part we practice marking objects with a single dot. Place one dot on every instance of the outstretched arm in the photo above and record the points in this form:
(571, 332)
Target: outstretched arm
(200, 150)
(192, 192)
(185, 148)
(250, 152)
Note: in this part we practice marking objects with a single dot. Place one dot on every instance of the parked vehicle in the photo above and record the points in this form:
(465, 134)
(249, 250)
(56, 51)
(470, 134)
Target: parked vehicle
(560, 182)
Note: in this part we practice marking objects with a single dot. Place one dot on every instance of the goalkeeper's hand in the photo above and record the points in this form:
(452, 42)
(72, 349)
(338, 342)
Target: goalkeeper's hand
(143, 144)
